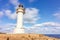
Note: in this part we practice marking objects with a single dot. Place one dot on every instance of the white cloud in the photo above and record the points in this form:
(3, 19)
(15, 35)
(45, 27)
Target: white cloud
(10, 15)
(53, 24)
(13, 16)
(14, 2)
(8, 12)
(57, 14)
(1, 14)
(31, 15)
(40, 29)
(7, 28)
(45, 28)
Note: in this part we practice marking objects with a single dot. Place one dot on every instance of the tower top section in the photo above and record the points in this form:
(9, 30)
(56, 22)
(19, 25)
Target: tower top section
(20, 9)
(21, 5)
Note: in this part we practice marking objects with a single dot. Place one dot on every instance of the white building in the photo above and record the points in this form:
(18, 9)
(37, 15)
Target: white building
(19, 27)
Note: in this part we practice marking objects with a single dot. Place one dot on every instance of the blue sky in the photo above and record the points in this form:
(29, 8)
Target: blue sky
(39, 15)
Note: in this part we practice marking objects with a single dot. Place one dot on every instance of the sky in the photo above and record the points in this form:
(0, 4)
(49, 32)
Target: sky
(41, 16)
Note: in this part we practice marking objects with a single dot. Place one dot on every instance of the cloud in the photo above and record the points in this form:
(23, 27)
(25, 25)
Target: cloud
(31, 15)
(13, 16)
(14, 2)
(57, 14)
(1, 14)
(45, 28)
(7, 28)
(39, 29)
(10, 15)
(53, 24)
(7, 12)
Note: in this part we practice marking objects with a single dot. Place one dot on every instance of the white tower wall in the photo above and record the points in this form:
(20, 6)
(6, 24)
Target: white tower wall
(20, 20)
(19, 27)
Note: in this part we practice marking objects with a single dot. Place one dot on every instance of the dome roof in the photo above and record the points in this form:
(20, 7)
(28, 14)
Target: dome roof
(20, 5)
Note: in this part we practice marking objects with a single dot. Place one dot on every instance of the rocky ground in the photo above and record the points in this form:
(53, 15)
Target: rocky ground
(25, 37)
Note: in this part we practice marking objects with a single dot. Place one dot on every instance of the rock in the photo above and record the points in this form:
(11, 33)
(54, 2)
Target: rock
(25, 37)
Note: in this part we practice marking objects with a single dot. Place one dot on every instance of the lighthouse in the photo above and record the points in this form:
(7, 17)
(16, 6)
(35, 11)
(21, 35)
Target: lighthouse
(19, 27)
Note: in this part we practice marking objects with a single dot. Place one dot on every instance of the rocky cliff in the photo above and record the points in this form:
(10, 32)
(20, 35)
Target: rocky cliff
(25, 37)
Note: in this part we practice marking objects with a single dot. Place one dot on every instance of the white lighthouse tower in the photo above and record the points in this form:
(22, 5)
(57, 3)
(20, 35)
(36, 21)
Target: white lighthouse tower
(19, 27)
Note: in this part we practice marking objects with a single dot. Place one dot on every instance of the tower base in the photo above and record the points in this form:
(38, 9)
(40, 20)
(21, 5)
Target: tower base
(19, 31)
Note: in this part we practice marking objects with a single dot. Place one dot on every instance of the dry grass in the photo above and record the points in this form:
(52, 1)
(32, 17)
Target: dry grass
(25, 37)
